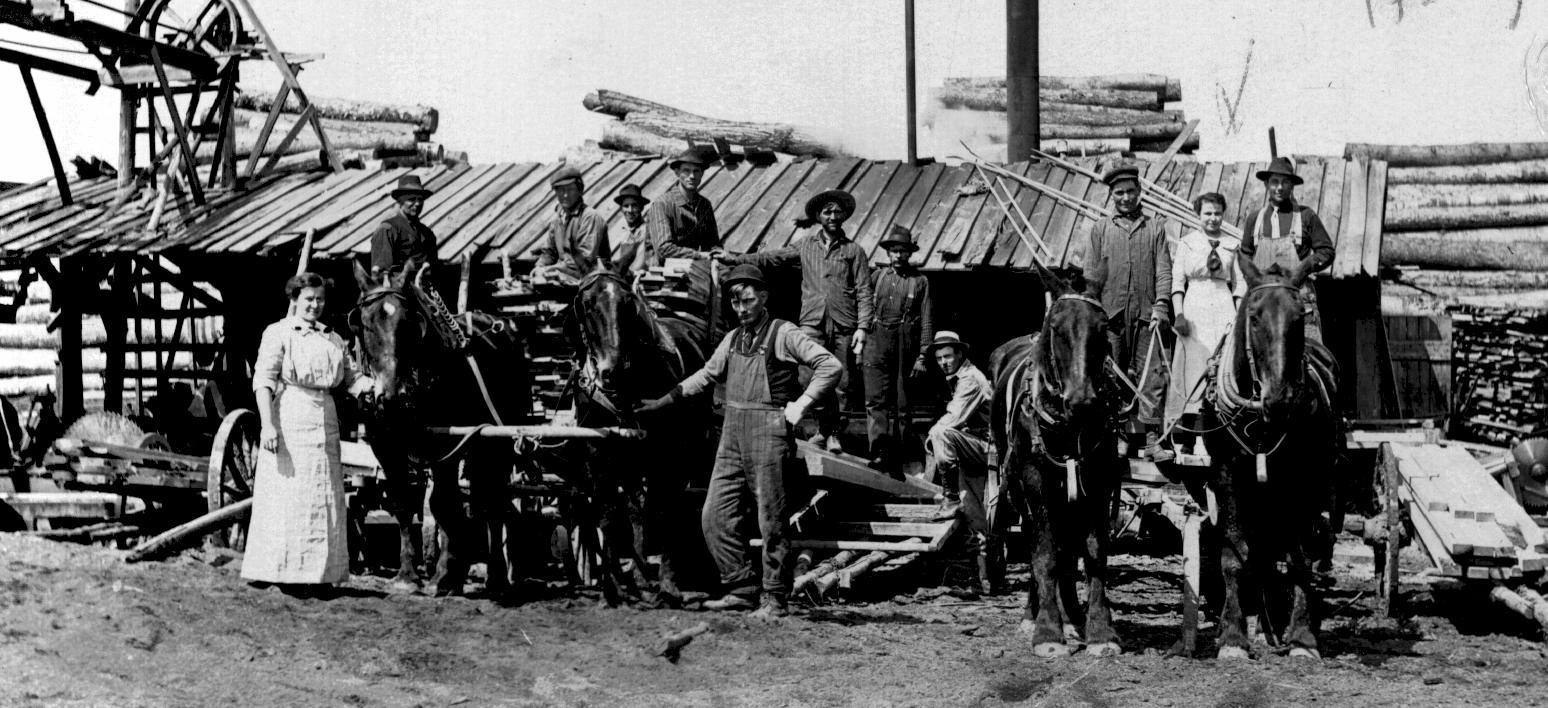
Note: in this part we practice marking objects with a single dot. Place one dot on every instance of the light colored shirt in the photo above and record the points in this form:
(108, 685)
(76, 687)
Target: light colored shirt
(575, 237)
(968, 410)
(294, 352)
(790, 345)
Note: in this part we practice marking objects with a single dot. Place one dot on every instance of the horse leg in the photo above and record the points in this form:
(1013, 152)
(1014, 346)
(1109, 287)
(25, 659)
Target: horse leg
(492, 507)
(1233, 642)
(403, 499)
(1065, 573)
(663, 509)
(1301, 630)
(446, 504)
(1101, 639)
(1046, 629)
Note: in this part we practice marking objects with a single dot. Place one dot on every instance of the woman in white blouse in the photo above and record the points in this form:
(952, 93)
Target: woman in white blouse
(297, 535)
(1204, 280)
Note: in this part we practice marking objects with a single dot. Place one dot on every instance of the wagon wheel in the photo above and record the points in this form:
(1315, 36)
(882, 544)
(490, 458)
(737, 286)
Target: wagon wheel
(233, 463)
(154, 441)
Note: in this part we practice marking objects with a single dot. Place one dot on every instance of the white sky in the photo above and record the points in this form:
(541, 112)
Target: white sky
(508, 75)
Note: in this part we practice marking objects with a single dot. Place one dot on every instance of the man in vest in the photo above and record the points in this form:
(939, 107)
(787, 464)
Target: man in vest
(959, 441)
(682, 222)
(757, 362)
(575, 237)
(628, 241)
(1128, 255)
(1288, 235)
(902, 325)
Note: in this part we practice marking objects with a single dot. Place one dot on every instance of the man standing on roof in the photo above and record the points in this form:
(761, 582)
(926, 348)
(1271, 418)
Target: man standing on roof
(681, 224)
(575, 238)
(402, 236)
(1128, 256)
(757, 362)
(903, 324)
(1288, 235)
(628, 241)
(836, 299)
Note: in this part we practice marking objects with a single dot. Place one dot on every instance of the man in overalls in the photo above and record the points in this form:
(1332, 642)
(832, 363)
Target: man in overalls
(757, 362)
(902, 326)
(1289, 235)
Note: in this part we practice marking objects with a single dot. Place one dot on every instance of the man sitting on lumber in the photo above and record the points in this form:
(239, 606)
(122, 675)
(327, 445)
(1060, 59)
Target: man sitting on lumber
(628, 241)
(1128, 255)
(757, 362)
(958, 443)
(575, 238)
(1287, 234)
(836, 299)
(682, 222)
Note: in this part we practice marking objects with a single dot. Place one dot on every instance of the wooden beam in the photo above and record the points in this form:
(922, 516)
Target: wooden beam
(183, 282)
(178, 129)
(60, 179)
(122, 44)
(290, 79)
(115, 321)
(290, 136)
(268, 127)
(71, 398)
(58, 68)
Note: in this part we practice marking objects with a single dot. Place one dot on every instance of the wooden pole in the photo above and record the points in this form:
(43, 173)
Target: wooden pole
(209, 523)
(71, 399)
(60, 179)
(908, 80)
(128, 115)
(1273, 144)
(115, 320)
(1021, 79)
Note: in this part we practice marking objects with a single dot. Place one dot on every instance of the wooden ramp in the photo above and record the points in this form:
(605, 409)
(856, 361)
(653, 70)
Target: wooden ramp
(839, 471)
(1467, 524)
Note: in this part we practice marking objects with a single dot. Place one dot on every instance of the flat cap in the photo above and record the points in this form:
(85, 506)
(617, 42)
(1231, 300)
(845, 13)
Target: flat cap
(565, 175)
(1121, 173)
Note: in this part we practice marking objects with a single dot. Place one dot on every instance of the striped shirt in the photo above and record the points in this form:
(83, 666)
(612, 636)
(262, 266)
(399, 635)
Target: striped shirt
(680, 225)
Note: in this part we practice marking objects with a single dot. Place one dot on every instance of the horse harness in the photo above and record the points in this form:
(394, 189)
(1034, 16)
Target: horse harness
(585, 378)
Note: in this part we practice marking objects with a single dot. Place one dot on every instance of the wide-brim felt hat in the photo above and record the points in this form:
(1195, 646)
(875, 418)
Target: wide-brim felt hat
(899, 237)
(745, 273)
(690, 156)
(815, 204)
(630, 191)
(948, 338)
(1119, 174)
(1280, 166)
(410, 184)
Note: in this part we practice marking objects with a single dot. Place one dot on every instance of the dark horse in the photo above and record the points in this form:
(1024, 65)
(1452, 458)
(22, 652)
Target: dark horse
(1052, 421)
(637, 490)
(1273, 432)
(421, 381)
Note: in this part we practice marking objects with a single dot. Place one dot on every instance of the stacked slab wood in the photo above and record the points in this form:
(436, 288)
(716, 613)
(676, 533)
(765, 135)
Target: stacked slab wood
(649, 128)
(1467, 523)
(1090, 114)
(1500, 359)
(358, 130)
(540, 314)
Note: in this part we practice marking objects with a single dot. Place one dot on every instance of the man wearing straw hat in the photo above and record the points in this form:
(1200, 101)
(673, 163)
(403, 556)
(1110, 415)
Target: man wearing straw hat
(959, 442)
(628, 240)
(1128, 256)
(902, 326)
(402, 236)
(757, 363)
(681, 224)
(575, 237)
(1289, 235)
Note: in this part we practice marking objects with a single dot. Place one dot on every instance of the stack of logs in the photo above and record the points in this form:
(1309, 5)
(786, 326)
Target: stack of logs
(1471, 219)
(648, 128)
(358, 131)
(1077, 114)
(1500, 357)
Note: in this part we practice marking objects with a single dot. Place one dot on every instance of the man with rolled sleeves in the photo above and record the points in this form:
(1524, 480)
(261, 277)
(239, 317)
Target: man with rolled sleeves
(1128, 255)
(836, 299)
(902, 327)
(959, 441)
(628, 241)
(681, 223)
(757, 363)
(575, 237)
(1289, 235)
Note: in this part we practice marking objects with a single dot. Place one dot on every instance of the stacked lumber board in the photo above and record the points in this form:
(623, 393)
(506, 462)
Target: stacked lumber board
(645, 127)
(1467, 524)
(1500, 360)
(539, 314)
(1077, 114)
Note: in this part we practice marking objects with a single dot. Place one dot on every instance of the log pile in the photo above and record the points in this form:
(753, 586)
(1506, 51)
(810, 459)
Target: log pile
(645, 127)
(1500, 358)
(1078, 114)
(1464, 520)
(358, 131)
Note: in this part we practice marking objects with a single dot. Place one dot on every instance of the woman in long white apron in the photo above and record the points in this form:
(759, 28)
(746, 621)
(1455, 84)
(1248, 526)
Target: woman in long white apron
(1204, 280)
(297, 535)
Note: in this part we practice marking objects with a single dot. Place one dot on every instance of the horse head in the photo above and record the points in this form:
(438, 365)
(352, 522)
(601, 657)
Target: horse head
(609, 321)
(1270, 335)
(1073, 339)
(392, 332)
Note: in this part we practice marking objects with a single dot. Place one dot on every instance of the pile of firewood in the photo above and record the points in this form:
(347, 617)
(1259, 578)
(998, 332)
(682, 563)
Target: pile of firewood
(1500, 358)
(1077, 114)
(649, 128)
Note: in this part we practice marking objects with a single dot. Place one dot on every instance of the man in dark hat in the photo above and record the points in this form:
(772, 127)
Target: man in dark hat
(836, 298)
(628, 240)
(575, 237)
(902, 326)
(1289, 235)
(757, 362)
(959, 441)
(1128, 256)
(402, 236)
(681, 224)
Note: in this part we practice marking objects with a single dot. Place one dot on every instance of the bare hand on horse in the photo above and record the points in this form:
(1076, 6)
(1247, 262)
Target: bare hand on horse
(654, 404)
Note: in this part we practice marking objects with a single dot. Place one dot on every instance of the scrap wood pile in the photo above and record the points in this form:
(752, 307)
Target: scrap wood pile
(1500, 359)
(359, 131)
(1467, 524)
(1079, 114)
(649, 128)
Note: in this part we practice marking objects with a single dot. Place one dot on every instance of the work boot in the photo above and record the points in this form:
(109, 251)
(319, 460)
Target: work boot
(772, 607)
(949, 508)
(818, 440)
(834, 446)
(731, 602)
(1153, 450)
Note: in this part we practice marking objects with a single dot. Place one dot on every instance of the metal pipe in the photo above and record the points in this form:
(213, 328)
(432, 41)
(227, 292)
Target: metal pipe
(908, 79)
(1021, 79)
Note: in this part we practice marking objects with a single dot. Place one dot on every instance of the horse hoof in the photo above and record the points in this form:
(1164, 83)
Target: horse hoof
(1304, 653)
(404, 587)
(1104, 649)
(1232, 653)
(1050, 650)
(1027, 627)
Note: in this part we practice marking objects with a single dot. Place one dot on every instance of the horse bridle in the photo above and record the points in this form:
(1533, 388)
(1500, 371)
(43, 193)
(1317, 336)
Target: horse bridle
(1252, 355)
(585, 377)
(1057, 385)
(1052, 385)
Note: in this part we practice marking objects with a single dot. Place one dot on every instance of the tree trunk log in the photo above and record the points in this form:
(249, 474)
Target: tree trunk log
(1439, 155)
(1523, 248)
(992, 98)
(769, 136)
(423, 118)
(1411, 196)
(191, 531)
(1169, 89)
(1464, 217)
(342, 135)
(617, 135)
(1152, 131)
(620, 105)
(1489, 173)
(1478, 279)
(1189, 145)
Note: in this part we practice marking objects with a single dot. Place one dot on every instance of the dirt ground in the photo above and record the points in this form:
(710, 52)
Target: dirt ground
(80, 627)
